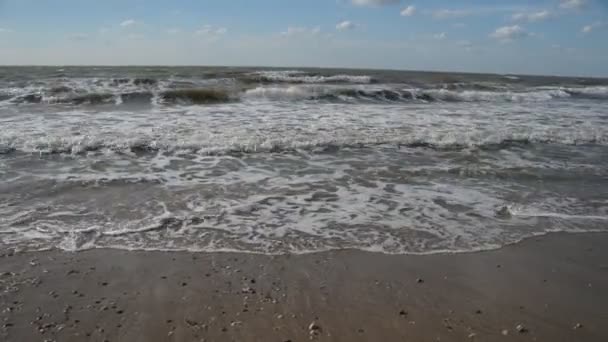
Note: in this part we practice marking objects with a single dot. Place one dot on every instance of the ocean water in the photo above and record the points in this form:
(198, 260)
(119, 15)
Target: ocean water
(294, 161)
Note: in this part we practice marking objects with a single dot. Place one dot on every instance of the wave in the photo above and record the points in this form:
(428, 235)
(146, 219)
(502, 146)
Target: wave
(77, 145)
(598, 92)
(328, 93)
(301, 77)
(408, 95)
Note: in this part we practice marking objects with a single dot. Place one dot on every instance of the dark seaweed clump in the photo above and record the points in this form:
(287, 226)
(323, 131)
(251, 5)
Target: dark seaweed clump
(91, 99)
(196, 96)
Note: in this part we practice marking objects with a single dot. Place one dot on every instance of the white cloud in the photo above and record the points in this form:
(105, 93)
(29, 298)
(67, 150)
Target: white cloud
(209, 30)
(127, 23)
(473, 11)
(408, 11)
(78, 36)
(374, 2)
(532, 16)
(465, 44)
(174, 30)
(294, 30)
(440, 36)
(451, 13)
(346, 25)
(5, 30)
(591, 27)
(509, 33)
(135, 36)
(573, 4)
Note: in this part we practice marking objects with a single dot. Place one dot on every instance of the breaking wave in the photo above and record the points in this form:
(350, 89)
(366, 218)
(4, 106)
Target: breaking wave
(301, 77)
(85, 144)
(328, 93)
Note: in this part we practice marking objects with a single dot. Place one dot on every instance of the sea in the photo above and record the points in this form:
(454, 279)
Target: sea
(278, 161)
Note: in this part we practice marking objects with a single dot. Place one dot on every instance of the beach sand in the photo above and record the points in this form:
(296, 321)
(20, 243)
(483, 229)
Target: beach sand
(553, 288)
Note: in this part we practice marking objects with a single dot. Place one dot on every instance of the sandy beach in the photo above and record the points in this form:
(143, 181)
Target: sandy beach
(550, 288)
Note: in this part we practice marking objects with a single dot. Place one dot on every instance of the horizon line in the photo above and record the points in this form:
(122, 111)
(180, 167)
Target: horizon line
(296, 67)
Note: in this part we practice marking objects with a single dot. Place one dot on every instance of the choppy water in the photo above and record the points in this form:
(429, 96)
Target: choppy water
(275, 161)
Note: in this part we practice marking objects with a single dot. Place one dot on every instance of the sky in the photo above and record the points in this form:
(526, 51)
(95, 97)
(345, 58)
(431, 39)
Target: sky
(556, 37)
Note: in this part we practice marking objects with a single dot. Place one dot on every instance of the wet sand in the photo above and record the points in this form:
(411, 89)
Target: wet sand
(553, 288)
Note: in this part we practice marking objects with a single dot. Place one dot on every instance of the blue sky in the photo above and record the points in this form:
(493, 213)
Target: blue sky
(563, 37)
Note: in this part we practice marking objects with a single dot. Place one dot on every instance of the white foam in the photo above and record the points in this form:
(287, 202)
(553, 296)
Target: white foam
(279, 93)
(267, 126)
(367, 192)
(298, 77)
(492, 96)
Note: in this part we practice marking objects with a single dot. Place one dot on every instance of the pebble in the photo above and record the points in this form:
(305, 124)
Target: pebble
(521, 329)
(248, 290)
(314, 328)
(420, 280)
(191, 322)
(402, 313)
(472, 335)
(505, 332)
(578, 326)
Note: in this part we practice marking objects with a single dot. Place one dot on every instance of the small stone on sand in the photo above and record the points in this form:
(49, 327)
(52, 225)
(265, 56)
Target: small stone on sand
(314, 328)
(521, 329)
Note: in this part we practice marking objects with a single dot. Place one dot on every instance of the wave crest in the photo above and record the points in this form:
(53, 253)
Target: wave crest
(301, 77)
(147, 90)
(76, 145)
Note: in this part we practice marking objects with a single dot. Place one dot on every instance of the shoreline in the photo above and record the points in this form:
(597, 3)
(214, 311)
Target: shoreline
(546, 288)
(12, 252)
